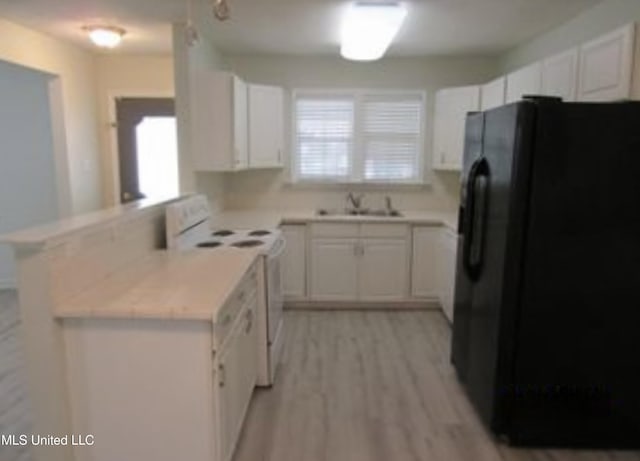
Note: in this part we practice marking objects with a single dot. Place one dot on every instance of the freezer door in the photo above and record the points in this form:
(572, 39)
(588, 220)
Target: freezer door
(495, 210)
(474, 131)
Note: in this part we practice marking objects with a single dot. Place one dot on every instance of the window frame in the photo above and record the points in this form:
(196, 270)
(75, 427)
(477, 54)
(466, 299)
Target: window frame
(358, 158)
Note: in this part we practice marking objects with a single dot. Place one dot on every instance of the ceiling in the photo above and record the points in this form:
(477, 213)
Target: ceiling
(432, 27)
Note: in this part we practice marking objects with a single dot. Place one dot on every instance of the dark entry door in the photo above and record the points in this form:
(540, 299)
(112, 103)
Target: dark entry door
(130, 112)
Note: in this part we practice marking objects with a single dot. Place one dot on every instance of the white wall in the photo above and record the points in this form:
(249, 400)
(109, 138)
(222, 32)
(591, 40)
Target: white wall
(202, 56)
(27, 166)
(75, 68)
(136, 75)
(269, 189)
(595, 21)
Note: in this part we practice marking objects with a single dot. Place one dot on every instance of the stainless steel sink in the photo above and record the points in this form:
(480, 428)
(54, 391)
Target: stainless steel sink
(359, 212)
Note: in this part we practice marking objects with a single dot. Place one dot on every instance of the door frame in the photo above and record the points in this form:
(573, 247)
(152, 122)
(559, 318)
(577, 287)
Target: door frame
(112, 160)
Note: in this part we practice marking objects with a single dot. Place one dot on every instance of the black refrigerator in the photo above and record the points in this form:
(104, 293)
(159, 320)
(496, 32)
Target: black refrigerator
(546, 331)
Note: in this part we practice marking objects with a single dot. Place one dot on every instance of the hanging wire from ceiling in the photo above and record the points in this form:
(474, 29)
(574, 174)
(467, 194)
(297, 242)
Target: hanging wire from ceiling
(191, 35)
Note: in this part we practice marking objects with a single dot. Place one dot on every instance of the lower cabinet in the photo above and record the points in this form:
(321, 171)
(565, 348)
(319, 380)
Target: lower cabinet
(424, 263)
(383, 269)
(334, 269)
(447, 271)
(236, 378)
(294, 261)
(359, 262)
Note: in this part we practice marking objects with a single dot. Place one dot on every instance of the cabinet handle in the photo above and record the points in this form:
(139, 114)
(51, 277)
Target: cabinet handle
(221, 375)
(249, 321)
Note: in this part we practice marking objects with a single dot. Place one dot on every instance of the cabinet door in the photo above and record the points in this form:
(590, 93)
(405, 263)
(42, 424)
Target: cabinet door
(449, 249)
(383, 269)
(294, 261)
(229, 375)
(452, 106)
(523, 82)
(334, 269)
(265, 126)
(606, 65)
(240, 124)
(424, 278)
(493, 94)
(560, 75)
(441, 129)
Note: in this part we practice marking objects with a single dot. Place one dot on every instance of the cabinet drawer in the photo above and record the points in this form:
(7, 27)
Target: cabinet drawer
(334, 230)
(226, 317)
(384, 230)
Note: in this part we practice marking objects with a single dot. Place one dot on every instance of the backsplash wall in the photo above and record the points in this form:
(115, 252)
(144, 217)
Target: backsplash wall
(271, 189)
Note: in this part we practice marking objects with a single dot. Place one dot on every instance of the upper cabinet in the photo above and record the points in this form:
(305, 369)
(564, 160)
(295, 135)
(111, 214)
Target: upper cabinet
(606, 66)
(452, 106)
(560, 75)
(219, 122)
(266, 138)
(235, 126)
(523, 82)
(493, 93)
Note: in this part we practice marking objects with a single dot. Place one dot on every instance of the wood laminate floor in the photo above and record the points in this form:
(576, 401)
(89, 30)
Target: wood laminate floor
(374, 386)
(15, 417)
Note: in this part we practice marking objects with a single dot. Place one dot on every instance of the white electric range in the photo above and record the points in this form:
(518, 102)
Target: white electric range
(190, 225)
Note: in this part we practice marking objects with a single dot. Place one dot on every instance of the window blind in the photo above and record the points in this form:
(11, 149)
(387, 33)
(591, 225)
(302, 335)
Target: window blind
(324, 137)
(359, 136)
(392, 138)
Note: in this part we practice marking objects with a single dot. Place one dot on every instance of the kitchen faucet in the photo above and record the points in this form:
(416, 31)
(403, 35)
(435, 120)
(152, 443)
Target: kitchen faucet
(356, 201)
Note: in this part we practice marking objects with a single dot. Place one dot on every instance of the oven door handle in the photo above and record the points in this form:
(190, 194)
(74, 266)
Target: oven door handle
(282, 244)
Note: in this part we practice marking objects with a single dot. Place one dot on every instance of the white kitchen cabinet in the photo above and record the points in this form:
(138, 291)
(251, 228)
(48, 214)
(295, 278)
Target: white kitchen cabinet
(523, 82)
(560, 75)
(606, 66)
(294, 261)
(359, 262)
(493, 94)
(219, 122)
(236, 378)
(424, 262)
(334, 269)
(266, 127)
(382, 269)
(447, 270)
(452, 106)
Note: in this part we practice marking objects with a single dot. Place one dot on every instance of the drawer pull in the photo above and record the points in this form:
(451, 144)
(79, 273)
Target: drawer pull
(249, 316)
(221, 375)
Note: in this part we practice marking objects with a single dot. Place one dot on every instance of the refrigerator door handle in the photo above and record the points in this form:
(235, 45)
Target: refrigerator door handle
(475, 215)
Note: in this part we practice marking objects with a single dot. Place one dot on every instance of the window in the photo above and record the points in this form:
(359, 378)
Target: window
(358, 136)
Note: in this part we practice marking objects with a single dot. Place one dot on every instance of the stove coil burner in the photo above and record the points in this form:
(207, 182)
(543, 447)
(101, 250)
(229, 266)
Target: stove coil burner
(223, 233)
(247, 243)
(259, 233)
(209, 244)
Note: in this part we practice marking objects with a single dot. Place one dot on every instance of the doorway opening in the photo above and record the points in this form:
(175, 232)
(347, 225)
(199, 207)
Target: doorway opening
(147, 148)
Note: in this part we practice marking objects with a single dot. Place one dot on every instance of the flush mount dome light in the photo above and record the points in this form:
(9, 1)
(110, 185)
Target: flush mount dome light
(105, 36)
(368, 29)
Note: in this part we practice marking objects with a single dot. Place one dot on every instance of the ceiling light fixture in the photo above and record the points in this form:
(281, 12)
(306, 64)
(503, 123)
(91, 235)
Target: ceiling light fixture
(105, 36)
(368, 29)
(221, 10)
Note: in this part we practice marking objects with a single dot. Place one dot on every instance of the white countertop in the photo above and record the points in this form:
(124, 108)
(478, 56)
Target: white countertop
(190, 285)
(40, 235)
(250, 219)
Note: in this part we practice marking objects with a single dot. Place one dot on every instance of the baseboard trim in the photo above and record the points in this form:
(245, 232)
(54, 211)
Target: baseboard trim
(8, 284)
(413, 304)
